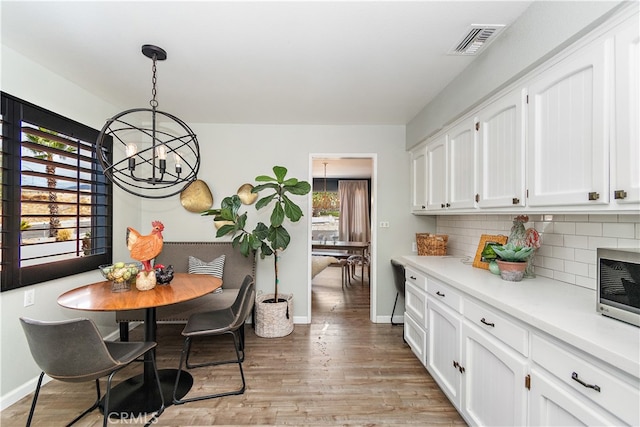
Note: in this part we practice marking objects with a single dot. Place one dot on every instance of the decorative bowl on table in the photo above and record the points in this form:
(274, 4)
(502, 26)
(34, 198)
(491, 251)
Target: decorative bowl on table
(122, 275)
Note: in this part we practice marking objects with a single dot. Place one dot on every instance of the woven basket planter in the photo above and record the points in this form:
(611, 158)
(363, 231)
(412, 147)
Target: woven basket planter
(274, 320)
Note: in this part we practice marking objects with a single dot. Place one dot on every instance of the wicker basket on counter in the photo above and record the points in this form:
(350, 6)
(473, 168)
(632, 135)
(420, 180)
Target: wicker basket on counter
(431, 244)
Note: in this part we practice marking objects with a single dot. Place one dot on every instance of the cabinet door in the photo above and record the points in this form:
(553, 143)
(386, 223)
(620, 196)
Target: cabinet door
(552, 404)
(501, 146)
(437, 174)
(462, 165)
(568, 130)
(494, 381)
(416, 336)
(443, 349)
(419, 179)
(625, 167)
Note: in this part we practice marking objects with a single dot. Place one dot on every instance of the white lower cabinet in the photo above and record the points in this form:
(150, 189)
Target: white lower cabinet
(554, 404)
(443, 360)
(567, 389)
(415, 315)
(495, 392)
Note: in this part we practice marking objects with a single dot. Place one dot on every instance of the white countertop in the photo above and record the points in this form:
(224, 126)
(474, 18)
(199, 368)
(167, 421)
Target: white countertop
(565, 311)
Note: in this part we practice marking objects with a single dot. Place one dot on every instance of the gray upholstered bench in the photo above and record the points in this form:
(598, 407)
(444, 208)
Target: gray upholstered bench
(236, 267)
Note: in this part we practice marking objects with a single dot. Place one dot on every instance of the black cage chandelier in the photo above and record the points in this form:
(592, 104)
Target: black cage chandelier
(147, 152)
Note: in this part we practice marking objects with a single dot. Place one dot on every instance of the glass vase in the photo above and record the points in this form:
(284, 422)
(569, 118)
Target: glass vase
(529, 272)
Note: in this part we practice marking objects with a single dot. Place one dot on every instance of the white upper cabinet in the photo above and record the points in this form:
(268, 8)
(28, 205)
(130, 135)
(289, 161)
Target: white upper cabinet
(462, 163)
(625, 153)
(419, 179)
(451, 162)
(501, 168)
(437, 173)
(568, 130)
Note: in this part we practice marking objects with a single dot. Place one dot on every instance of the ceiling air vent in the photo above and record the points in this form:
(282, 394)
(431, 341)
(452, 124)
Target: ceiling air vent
(476, 38)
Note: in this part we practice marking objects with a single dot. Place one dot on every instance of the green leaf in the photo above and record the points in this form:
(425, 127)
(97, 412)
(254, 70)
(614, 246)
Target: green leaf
(265, 201)
(279, 238)
(299, 189)
(272, 185)
(264, 178)
(291, 210)
(261, 231)
(225, 229)
(290, 182)
(277, 216)
(280, 172)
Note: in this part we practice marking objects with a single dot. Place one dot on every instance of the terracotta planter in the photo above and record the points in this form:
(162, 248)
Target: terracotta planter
(512, 271)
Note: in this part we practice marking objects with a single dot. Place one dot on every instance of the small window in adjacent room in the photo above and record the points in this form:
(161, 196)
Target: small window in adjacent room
(56, 202)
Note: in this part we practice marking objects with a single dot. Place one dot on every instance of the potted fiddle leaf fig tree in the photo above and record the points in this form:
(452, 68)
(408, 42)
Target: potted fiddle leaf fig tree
(273, 312)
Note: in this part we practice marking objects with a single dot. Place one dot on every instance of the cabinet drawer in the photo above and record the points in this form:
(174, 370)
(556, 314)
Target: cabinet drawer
(418, 279)
(444, 294)
(415, 303)
(416, 337)
(601, 387)
(498, 326)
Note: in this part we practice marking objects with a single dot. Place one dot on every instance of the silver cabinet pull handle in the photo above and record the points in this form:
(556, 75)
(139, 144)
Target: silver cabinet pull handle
(574, 376)
(493, 325)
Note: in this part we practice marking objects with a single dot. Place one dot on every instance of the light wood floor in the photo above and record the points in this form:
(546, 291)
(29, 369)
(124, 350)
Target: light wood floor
(340, 370)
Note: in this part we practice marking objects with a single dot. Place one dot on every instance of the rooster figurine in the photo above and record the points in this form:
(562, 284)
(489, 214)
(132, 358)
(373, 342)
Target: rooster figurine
(145, 248)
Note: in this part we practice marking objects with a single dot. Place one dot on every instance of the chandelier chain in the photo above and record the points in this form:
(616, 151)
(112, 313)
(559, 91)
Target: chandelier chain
(154, 80)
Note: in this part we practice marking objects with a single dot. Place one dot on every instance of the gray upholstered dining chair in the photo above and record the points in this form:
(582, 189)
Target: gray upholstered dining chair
(74, 351)
(219, 322)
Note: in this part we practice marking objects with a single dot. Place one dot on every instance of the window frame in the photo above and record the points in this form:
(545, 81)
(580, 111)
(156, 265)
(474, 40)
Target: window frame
(12, 276)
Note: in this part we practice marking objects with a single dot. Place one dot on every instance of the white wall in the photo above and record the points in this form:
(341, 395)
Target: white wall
(31, 82)
(541, 31)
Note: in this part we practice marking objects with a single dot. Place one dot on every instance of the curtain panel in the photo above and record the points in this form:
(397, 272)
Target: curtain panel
(355, 223)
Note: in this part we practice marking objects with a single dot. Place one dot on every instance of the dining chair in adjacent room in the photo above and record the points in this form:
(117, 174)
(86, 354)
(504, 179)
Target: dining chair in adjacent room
(399, 281)
(74, 351)
(218, 322)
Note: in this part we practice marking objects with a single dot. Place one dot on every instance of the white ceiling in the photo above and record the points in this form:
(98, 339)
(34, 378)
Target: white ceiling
(302, 62)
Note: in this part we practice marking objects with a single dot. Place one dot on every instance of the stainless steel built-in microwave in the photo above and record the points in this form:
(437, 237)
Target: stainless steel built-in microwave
(619, 284)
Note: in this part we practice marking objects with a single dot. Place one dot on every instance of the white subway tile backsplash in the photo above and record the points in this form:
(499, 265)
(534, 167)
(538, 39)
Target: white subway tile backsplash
(561, 252)
(564, 228)
(603, 218)
(586, 282)
(581, 242)
(602, 242)
(552, 239)
(553, 264)
(564, 277)
(578, 268)
(634, 218)
(625, 230)
(585, 255)
(589, 228)
(569, 241)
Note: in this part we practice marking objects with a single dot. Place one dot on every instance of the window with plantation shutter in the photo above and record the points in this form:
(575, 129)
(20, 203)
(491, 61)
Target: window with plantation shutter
(56, 202)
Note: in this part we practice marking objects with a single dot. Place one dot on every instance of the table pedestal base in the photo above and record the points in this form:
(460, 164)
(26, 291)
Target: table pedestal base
(134, 397)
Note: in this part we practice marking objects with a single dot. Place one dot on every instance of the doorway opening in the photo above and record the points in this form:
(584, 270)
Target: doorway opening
(326, 171)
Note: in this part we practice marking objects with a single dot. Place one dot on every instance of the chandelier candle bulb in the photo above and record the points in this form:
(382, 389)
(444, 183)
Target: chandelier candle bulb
(178, 161)
(130, 152)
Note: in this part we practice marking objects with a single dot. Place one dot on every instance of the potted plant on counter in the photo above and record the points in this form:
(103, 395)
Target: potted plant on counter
(512, 261)
(273, 314)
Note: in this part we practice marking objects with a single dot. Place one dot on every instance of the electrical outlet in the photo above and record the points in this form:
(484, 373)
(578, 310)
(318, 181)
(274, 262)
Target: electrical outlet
(384, 224)
(29, 297)
(414, 247)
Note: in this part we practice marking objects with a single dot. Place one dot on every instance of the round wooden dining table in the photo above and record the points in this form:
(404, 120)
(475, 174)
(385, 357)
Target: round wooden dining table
(139, 394)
